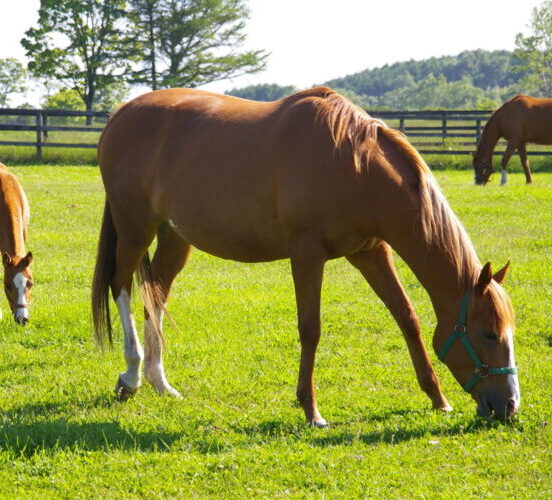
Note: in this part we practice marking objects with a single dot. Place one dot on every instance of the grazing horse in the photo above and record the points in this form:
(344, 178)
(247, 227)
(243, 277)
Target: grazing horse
(520, 120)
(310, 177)
(14, 221)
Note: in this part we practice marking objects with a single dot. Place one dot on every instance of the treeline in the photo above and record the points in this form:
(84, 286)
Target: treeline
(471, 80)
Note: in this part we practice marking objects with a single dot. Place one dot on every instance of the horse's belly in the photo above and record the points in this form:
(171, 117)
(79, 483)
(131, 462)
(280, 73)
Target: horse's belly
(237, 242)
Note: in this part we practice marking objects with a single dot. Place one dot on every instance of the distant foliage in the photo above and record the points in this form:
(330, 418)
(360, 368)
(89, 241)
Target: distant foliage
(264, 92)
(13, 78)
(472, 79)
(535, 51)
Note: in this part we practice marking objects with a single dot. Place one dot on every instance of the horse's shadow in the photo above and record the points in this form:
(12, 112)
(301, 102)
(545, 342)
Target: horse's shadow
(337, 435)
(42, 427)
(33, 428)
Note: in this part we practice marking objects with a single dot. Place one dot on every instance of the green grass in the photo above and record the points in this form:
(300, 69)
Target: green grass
(234, 356)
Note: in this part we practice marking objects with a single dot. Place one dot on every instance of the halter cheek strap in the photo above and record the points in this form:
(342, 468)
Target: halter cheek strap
(460, 332)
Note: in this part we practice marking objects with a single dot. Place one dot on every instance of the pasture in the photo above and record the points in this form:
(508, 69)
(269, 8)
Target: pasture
(233, 353)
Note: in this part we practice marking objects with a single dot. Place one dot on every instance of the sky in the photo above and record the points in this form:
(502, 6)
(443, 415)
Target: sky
(312, 41)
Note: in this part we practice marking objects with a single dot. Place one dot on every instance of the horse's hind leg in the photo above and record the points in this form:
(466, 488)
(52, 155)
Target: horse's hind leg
(307, 265)
(525, 162)
(128, 255)
(170, 257)
(378, 268)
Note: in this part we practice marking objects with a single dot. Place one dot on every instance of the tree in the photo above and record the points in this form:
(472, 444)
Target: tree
(187, 43)
(64, 99)
(13, 78)
(535, 50)
(80, 43)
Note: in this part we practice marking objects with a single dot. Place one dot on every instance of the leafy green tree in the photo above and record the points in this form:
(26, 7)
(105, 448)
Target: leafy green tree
(13, 78)
(81, 44)
(187, 43)
(535, 51)
(64, 99)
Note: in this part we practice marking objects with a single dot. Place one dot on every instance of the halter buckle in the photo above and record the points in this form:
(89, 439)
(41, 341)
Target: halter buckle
(482, 371)
(458, 329)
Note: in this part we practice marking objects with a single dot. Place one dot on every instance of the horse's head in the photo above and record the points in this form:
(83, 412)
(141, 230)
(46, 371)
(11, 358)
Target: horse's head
(479, 350)
(483, 169)
(18, 282)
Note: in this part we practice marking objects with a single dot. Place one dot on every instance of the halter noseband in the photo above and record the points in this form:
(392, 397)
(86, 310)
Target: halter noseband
(460, 332)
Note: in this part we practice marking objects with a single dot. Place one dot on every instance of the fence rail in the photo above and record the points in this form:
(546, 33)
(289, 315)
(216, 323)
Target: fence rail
(432, 132)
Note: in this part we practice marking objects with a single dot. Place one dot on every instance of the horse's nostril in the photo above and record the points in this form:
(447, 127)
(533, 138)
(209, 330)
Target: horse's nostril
(511, 407)
(22, 321)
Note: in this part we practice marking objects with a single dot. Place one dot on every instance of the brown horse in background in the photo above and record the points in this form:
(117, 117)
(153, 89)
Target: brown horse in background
(310, 178)
(14, 221)
(520, 120)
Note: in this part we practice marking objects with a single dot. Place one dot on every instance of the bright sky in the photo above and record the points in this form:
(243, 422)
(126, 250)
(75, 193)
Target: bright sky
(312, 41)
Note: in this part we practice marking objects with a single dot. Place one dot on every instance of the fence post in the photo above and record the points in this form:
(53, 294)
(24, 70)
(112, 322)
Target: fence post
(401, 125)
(45, 124)
(477, 131)
(39, 134)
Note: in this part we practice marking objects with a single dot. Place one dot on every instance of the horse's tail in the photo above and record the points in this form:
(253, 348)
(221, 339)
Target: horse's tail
(103, 274)
(151, 293)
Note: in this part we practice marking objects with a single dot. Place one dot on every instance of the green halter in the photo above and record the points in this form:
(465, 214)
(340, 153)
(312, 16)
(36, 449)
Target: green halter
(460, 332)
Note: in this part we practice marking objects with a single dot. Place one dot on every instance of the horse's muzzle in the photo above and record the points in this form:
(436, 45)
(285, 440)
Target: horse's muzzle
(499, 408)
(21, 320)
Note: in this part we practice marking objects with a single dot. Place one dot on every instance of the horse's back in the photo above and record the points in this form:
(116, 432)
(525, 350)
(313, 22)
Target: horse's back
(13, 200)
(528, 119)
(206, 162)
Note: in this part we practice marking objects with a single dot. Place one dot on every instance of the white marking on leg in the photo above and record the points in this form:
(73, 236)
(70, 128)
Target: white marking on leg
(504, 177)
(134, 354)
(153, 365)
(20, 282)
(172, 224)
(513, 381)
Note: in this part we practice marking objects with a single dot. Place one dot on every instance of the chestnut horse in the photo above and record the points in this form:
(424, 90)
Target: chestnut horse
(310, 178)
(14, 221)
(520, 120)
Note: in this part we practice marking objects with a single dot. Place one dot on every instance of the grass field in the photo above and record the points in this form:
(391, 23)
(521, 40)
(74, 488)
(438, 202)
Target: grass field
(233, 354)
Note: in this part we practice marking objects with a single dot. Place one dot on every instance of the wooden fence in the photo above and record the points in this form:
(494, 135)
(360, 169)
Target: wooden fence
(432, 132)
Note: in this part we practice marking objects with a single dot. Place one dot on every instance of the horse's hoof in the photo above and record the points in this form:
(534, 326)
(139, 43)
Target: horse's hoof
(319, 423)
(122, 391)
(169, 391)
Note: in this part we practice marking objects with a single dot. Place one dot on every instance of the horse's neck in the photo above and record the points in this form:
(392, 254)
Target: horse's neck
(437, 274)
(489, 138)
(12, 231)
(445, 278)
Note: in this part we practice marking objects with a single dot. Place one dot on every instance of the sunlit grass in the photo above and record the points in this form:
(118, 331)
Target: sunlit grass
(234, 356)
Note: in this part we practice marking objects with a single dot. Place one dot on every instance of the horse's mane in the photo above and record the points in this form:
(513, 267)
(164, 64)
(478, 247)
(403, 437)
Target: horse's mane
(440, 226)
(345, 122)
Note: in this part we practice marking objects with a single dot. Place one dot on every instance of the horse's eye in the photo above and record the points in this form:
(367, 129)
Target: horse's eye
(491, 335)
(9, 287)
(29, 284)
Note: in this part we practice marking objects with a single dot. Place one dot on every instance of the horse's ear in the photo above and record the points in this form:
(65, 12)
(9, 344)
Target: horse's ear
(28, 259)
(500, 276)
(484, 279)
(6, 259)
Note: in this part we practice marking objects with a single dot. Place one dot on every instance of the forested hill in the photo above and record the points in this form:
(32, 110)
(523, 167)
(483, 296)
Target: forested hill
(486, 70)
(472, 79)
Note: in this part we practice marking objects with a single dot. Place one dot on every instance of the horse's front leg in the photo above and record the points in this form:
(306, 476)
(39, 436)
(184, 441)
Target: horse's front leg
(510, 150)
(307, 265)
(378, 268)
